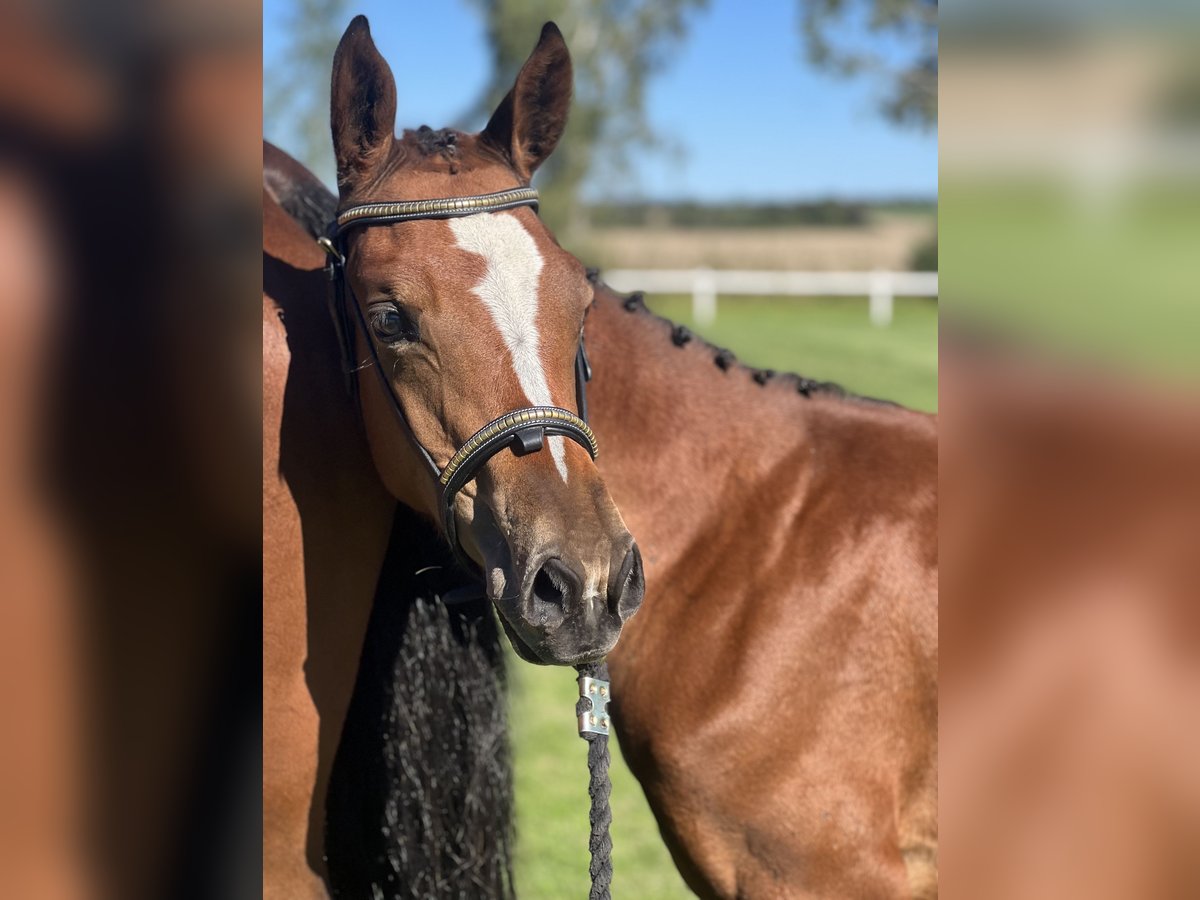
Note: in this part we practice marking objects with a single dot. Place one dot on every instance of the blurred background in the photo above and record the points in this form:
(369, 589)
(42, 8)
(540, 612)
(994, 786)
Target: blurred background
(1071, 178)
(766, 171)
(1069, 675)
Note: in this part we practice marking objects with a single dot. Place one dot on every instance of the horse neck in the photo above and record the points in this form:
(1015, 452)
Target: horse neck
(681, 438)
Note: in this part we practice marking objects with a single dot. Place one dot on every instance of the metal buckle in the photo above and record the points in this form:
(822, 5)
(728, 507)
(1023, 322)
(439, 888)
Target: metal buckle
(598, 693)
(336, 260)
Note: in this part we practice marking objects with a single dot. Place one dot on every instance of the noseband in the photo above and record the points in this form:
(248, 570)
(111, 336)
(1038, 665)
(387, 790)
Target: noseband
(521, 430)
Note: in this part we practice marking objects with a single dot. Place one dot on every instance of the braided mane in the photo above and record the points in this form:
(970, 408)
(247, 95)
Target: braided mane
(725, 360)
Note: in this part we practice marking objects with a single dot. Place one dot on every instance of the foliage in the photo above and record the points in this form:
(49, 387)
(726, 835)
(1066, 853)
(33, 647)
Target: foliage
(290, 93)
(911, 98)
(616, 46)
(1179, 105)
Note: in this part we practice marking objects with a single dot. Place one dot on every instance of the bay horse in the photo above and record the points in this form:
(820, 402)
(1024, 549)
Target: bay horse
(778, 702)
(470, 324)
(350, 580)
(326, 525)
(471, 316)
(777, 698)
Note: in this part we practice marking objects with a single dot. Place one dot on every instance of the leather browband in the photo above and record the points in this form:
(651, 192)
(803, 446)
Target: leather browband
(448, 208)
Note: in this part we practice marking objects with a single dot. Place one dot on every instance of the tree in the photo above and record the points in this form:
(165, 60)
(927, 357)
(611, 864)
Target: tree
(297, 90)
(911, 25)
(616, 46)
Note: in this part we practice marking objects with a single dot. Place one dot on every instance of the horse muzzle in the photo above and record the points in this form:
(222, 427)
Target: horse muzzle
(568, 612)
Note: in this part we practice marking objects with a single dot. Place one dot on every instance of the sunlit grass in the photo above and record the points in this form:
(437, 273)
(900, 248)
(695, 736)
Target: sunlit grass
(1113, 277)
(552, 800)
(829, 338)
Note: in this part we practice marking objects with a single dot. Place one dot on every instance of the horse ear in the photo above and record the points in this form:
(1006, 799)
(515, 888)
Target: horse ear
(530, 119)
(363, 104)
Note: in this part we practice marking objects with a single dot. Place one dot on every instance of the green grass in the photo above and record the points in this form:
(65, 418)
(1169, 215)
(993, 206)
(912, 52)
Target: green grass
(829, 339)
(552, 800)
(1113, 281)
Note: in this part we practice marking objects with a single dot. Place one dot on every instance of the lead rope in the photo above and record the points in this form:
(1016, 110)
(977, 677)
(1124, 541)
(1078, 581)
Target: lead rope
(592, 712)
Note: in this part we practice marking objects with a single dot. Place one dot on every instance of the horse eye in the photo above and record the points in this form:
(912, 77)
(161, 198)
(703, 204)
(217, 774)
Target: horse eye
(391, 324)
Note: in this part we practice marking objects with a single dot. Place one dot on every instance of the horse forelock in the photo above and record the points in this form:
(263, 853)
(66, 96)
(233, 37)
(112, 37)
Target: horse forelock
(429, 142)
(435, 152)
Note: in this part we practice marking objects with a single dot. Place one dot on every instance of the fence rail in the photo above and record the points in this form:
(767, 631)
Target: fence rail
(705, 285)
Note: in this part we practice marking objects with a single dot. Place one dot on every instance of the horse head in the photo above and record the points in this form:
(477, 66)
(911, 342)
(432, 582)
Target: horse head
(468, 317)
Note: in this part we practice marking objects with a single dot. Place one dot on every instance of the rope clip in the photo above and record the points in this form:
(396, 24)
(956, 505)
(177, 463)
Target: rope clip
(598, 693)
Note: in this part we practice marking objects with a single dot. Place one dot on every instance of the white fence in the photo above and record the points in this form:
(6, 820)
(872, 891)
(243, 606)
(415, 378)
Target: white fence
(880, 288)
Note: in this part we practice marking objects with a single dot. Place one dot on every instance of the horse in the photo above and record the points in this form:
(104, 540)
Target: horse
(713, 652)
(1068, 688)
(777, 696)
(326, 526)
(129, 575)
(340, 556)
(472, 324)
(462, 362)
(789, 532)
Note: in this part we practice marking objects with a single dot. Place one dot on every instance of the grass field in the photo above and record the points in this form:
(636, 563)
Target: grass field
(829, 339)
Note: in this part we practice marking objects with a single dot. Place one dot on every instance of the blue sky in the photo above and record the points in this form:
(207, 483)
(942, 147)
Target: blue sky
(752, 119)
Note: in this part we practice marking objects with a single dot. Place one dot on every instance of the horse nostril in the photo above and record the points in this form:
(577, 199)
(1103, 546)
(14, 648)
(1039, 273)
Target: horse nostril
(555, 586)
(629, 585)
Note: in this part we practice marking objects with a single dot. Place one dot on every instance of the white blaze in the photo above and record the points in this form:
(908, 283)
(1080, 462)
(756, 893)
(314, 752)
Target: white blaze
(509, 290)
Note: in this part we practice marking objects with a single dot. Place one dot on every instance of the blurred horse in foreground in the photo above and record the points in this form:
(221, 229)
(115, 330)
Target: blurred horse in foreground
(1070, 681)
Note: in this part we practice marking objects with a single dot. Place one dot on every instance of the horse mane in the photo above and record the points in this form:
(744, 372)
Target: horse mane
(298, 191)
(724, 359)
(420, 800)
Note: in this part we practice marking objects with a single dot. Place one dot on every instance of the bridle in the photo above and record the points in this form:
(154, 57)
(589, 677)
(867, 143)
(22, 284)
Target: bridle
(521, 430)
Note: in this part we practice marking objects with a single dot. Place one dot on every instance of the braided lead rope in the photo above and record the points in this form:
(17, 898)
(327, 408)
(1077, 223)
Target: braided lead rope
(592, 712)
